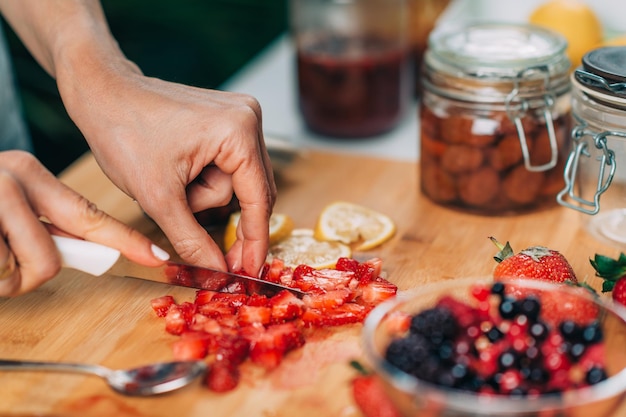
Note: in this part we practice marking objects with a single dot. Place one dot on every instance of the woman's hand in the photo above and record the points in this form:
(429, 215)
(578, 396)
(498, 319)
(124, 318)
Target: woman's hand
(30, 193)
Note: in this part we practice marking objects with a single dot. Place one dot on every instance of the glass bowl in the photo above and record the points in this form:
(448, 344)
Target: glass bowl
(416, 396)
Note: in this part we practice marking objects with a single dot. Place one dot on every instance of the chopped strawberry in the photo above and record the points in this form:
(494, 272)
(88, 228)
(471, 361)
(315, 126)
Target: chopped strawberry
(258, 300)
(345, 314)
(325, 279)
(248, 314)
(217, 308)
(300, 271)
(347, 264)
(370, 396)
(203, 297)
(377, 291)
(233, 300)
(285, 306)
(275, 270)
(161, 305)
(232, 348)
(176, 320)
(269, 346)
(222, 376)
(328, 300)
(205, 324)
(191, 346)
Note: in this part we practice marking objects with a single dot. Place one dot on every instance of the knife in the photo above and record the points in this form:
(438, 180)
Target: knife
(96, 259)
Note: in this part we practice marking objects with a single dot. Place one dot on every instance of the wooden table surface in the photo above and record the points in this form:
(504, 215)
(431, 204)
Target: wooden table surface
(108, 320)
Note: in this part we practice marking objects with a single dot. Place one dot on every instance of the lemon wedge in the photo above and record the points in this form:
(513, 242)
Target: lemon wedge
(574, 20)
(352, 223)
(281, 226)
(302, 248)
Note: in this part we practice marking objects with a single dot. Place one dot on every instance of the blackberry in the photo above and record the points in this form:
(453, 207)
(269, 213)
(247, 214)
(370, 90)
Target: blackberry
(437, 324)
(409, 353)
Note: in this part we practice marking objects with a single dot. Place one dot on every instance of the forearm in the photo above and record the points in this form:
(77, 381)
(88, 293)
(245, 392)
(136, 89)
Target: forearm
(56, 31)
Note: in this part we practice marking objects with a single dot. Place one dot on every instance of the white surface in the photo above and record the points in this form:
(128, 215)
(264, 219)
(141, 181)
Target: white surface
(271, 79)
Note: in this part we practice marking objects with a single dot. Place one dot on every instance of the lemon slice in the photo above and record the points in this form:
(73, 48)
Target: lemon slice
(302, 248)
(351, 223)
(281, 226)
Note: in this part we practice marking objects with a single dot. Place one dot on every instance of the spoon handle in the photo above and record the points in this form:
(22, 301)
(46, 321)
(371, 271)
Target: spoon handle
(17, 365)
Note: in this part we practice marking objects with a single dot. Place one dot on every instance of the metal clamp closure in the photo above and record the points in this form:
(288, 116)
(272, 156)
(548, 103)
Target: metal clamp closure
(516, 108)
(607, 159)
(594, 80)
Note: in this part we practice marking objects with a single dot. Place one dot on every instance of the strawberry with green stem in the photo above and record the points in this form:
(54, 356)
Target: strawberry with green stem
(613, 271)
(535, 262)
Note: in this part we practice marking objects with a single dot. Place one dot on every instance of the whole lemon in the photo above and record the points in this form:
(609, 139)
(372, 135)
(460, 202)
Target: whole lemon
(574, 20)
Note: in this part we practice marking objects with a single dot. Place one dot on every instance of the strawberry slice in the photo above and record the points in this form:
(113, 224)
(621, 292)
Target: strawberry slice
(328, 300)
(325, 279)
(285, 306)
(345, 314)
(377, 291)
(161, 305)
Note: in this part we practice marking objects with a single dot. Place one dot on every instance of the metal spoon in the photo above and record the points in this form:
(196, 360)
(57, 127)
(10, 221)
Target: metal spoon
(142, 381)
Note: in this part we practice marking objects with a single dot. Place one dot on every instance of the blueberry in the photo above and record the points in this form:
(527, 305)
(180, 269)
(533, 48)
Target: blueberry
(538, 330)
(592, 333)
(595, 375)
(570, 330)
(507, 308)
(498, 288)
(494, 334)
(508, 359)
(529, 307)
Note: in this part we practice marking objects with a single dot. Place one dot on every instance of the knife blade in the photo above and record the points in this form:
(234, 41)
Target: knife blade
(96, 259)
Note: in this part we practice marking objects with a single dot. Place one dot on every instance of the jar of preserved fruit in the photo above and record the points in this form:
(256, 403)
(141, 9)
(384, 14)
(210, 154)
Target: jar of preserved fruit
(495, 116)
(595, 174)
(353, 66)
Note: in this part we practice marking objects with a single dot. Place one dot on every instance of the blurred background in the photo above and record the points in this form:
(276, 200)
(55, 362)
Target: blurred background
(196, 42)
(206, 42)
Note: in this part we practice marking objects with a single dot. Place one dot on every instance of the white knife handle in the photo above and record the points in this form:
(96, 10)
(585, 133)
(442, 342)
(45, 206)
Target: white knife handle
(92, 258)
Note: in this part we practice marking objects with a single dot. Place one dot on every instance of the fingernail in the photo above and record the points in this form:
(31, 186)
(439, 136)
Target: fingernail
(160, 253)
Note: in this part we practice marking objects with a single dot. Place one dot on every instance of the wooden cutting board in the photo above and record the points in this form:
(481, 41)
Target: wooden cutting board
(76, 317)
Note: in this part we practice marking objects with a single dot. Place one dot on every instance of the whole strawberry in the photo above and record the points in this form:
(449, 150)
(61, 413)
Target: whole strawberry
(613, 271)
(536, 262)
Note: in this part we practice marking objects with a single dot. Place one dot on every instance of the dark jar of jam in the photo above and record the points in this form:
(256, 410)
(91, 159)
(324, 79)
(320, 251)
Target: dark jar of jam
(595, 176)
(353, 65)
(495, 115)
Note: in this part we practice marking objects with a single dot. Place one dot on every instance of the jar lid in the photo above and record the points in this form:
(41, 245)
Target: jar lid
(604, 70)
(500, 49)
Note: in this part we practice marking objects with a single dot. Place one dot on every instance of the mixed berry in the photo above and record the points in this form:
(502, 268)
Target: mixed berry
(501, 344)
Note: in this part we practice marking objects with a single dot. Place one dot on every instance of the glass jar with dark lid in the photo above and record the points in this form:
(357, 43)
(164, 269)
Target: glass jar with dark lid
(494, 118)
(595, 183)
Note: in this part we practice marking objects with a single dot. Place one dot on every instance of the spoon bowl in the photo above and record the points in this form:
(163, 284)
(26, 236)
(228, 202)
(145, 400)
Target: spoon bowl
(145, 380)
